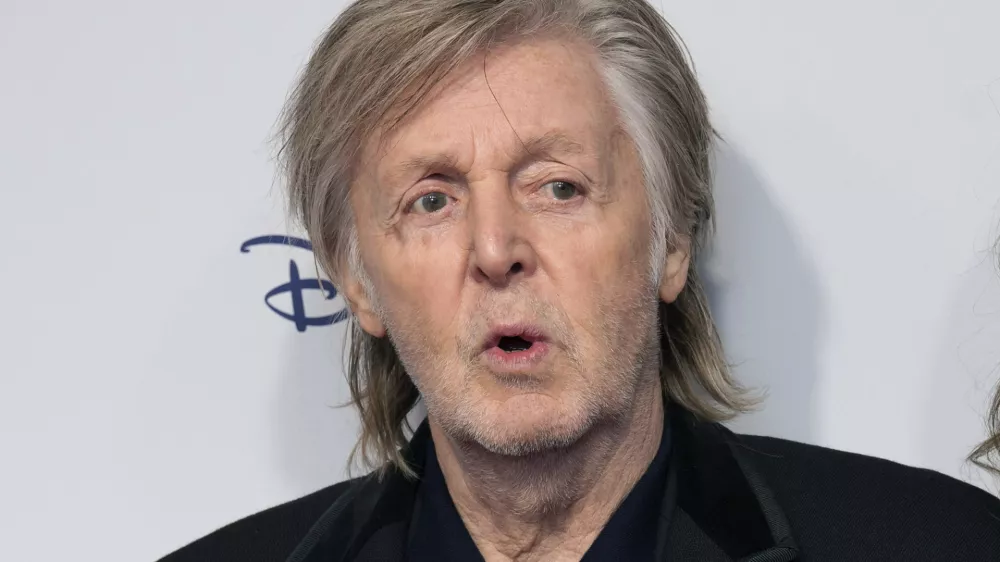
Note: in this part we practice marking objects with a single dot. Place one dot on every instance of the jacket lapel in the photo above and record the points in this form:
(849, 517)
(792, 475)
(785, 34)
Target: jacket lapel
(374, 526)
(722, 510)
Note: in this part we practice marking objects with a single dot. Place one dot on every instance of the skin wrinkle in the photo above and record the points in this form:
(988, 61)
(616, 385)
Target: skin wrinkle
(528, 464)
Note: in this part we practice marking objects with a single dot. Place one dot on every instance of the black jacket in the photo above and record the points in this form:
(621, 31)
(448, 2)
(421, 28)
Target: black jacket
(737, 498)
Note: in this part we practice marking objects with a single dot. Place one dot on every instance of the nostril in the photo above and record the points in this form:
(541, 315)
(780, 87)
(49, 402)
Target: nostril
(516, 268)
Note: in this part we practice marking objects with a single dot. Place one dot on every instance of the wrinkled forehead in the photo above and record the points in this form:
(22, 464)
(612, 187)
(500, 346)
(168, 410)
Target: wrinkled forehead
(545, 94)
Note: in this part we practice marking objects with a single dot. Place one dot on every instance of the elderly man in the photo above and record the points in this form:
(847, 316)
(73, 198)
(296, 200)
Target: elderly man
(511, 195)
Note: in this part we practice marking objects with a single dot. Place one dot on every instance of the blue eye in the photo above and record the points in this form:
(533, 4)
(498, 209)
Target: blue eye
(562, 190)
(430, 203)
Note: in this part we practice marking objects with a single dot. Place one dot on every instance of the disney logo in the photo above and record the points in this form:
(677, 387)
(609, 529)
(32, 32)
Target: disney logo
(296, 286)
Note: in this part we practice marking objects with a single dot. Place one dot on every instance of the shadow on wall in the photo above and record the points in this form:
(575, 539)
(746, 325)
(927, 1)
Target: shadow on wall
(765, 296)
(313, 436)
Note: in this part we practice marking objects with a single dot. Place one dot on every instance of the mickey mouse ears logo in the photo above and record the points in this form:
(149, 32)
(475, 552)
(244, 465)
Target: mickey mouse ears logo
(296, 286)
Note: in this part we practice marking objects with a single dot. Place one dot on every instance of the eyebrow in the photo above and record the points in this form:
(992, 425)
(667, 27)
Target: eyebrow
(550, 144)
(444, 162)
(546, 146)
(549, 147)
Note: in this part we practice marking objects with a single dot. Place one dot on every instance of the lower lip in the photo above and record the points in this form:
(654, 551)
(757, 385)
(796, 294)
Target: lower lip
(517, 360)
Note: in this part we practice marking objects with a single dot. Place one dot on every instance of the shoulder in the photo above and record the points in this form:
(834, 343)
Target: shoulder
(263, 537)
(870, 501)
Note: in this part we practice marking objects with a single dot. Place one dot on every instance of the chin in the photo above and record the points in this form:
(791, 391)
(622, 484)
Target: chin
(528, 424)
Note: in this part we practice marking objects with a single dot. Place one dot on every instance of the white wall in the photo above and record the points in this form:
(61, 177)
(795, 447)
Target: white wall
(148, 395)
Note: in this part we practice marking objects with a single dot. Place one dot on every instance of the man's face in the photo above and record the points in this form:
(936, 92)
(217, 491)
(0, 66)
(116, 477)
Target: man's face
(506, 231)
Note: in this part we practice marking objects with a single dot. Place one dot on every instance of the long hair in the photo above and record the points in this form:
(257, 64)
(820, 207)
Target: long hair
(378, 61)
(987, 454)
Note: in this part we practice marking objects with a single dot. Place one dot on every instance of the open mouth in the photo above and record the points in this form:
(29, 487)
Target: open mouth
(515, 348)
(514, 340)
(512, 344)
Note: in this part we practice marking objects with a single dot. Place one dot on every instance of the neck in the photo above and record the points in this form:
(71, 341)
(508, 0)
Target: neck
(551, 506)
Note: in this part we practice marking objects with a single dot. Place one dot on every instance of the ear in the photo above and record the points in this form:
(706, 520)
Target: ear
(675, 271)
(362, 307)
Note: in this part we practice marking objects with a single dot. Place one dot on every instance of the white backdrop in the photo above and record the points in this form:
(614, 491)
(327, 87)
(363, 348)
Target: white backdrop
(149, 395)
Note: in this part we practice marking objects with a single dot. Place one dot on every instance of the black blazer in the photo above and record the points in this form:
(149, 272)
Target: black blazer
(737, 498)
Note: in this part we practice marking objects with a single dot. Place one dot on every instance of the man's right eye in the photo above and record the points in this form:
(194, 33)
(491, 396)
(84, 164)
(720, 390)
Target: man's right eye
(429, 203)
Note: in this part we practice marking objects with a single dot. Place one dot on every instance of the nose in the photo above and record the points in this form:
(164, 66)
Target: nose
(501, 251)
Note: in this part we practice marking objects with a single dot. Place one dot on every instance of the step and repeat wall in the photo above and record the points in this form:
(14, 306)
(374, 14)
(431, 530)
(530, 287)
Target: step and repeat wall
(171, 360)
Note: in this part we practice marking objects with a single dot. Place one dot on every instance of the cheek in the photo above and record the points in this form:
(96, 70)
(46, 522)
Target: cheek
(626, 244)
(421, 283)
(599, 278)
(608, 258)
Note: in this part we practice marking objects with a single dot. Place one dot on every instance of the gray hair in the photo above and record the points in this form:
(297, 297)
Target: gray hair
(986, 455)
(378, 61)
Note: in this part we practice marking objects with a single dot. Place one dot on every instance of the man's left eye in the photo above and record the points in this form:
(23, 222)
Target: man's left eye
(562, 190)
(429, 203)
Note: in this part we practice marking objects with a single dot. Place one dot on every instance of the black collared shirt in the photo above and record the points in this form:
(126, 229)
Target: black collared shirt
(438, 534)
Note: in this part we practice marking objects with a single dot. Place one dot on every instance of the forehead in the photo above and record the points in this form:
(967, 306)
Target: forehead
(539, 92)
